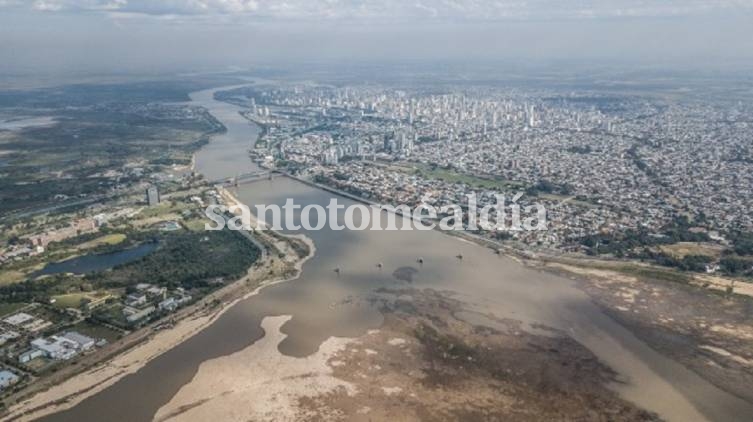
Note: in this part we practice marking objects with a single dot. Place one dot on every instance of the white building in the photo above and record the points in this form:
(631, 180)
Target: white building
(30, 355)
(84, 342)
(7, 378)
(133, 314)
(169, 304)
(56, 348)
(136, 299)
(19, 319)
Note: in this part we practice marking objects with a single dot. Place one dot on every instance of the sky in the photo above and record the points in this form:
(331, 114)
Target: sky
(152, 35)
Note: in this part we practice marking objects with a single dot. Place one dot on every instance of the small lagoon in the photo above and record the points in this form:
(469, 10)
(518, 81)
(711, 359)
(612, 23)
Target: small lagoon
(97, 262)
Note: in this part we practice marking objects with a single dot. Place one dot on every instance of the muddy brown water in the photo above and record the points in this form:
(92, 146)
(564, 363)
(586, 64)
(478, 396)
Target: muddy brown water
(323, 303)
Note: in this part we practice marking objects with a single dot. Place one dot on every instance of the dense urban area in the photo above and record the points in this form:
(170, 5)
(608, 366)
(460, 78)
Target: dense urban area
(629, 175)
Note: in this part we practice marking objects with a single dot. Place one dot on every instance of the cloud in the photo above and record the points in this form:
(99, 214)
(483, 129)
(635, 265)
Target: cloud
(398, 9)
(46, 6)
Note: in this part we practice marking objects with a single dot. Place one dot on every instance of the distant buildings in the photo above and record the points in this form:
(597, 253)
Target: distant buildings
(8, 336)
(149, 298)
(330, 156)
(76, 228)
(27, 322)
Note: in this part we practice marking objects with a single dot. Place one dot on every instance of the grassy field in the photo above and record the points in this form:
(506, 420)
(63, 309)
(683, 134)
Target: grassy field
(639, 270)
(655, 273)
(683, 249)
(72, 300)
(9, 308)
(96, 331)
(10, 277)
(451, 176)
(110, 239)
(561, 198)
(196, 224)
(166, 211)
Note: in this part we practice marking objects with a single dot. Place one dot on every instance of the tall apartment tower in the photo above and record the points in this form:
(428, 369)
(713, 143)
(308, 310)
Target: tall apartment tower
(152, 196)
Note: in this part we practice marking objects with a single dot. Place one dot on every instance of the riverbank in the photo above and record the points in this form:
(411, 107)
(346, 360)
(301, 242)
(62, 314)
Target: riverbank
(129, 354)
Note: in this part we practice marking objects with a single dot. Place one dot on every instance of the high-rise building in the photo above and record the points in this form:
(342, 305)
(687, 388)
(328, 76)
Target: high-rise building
(532, 116)
(152, 196)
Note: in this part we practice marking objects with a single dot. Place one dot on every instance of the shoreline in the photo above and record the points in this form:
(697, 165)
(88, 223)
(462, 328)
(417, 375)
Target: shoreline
(148, 343)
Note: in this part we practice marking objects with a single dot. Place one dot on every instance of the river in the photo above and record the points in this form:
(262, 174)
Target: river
(323, 304)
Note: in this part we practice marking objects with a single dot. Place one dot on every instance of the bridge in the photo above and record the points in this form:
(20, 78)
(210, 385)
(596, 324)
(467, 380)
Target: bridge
(244, 178)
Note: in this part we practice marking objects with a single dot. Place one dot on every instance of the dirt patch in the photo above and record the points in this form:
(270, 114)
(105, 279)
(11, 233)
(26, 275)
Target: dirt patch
(427, 364)
(706, 331)
(405, 274)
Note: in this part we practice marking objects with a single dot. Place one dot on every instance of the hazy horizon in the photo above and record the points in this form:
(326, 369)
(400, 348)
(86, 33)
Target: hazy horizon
(122, 36)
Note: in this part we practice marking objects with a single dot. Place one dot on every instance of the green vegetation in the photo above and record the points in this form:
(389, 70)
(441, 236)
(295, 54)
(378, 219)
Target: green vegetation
(547, 187)
(578, 149)
(86, 151)
(191, 260)
(97, 331)
(72, 300)
(678, 246)
(10, 277)
(450, 175)
(683, 249)
(626, 243)
(41, 290)
(185, 259)
(697, 263)
(743, 243)
(650, 273)
(736, 266)
(108, 239)
(9, 308)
